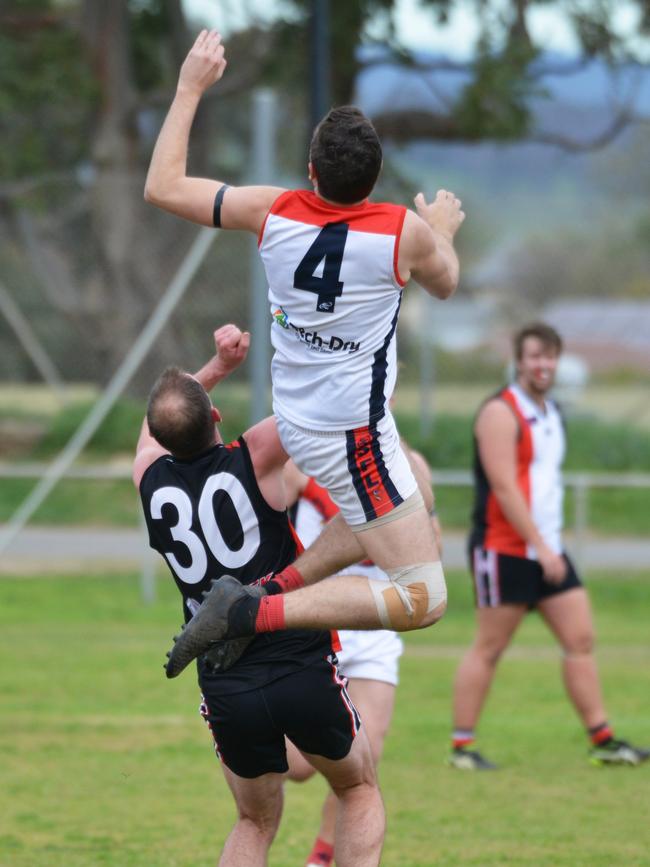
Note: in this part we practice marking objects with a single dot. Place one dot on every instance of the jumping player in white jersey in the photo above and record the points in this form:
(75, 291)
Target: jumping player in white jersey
(336, 266)
(517, 556)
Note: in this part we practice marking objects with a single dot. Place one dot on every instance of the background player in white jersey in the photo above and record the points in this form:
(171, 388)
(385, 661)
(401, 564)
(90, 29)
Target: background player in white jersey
(517, 556)
(336, 265)
(211, 507)
(368, 660)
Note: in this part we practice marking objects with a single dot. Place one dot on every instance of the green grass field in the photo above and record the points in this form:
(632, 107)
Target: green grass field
(105, 762)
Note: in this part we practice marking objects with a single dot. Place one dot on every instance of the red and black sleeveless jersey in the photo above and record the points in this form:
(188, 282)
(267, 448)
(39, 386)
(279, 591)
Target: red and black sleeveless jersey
(538, 465)
(208, 518)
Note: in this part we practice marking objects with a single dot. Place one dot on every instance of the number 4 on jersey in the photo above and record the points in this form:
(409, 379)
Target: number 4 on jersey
(328, 245)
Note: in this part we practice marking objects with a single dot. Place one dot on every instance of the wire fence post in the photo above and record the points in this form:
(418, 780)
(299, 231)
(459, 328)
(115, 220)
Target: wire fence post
(263, 171)
(148, 565)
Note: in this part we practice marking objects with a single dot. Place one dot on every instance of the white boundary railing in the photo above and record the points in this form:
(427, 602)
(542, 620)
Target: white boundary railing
(580, 483)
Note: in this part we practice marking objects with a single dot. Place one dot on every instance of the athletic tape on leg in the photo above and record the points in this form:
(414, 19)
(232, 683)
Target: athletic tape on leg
(413, 592)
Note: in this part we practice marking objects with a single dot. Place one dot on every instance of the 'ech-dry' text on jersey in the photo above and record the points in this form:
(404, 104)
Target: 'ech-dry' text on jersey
(540, 452)
(207, 517)
(335, 295)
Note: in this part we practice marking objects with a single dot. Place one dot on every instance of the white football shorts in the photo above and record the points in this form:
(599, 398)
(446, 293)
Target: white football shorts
(372, 655)
(364, 470)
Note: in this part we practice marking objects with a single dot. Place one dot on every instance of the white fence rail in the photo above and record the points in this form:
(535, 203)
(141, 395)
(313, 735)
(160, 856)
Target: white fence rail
(580, 483)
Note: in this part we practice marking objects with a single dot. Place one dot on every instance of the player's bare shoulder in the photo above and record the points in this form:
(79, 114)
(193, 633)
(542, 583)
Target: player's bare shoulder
(417, 240)
(495, 419)
(246, 207)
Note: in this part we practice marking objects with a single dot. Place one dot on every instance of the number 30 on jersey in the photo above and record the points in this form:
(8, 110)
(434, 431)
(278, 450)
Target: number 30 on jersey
(182, 531)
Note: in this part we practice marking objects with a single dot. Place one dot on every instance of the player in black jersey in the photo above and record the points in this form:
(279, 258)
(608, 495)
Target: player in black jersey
(213, 509)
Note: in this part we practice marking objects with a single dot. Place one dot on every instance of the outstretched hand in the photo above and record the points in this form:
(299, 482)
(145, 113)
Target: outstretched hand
(205, 63)
(443, 215)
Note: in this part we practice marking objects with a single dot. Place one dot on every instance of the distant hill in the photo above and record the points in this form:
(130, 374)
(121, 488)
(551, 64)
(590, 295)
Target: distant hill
(537, 184)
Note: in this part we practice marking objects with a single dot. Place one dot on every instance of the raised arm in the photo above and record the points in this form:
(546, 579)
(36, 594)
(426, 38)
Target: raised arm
(231, 346)
(496, 432)
(426, 251)
(168, 185)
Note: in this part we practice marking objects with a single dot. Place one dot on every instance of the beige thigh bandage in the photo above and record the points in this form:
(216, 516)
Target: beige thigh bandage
(413, 592)
(410, 504)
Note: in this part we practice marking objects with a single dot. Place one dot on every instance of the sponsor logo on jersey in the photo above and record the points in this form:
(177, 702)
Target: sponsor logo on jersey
(280, 317)
(318, 343)
(312, 339)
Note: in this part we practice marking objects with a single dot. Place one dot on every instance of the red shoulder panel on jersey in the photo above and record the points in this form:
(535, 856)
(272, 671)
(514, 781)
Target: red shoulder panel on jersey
(398, 235)
(306, 207)
(500, 534)
(271, 211)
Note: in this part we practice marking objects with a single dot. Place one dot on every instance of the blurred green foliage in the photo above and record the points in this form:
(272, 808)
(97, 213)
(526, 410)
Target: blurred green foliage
(47, 94)
(593, 445)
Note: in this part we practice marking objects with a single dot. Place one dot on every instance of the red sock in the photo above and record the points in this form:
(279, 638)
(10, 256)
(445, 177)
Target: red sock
(322, 853)
(270, 615)
(462, 738)
(289, 579)
(601, 734)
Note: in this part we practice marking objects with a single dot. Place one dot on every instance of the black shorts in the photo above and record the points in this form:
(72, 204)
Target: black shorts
(501, 579)
(311, 707)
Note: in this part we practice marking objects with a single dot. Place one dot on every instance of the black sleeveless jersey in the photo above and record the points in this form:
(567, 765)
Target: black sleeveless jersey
(208, 518)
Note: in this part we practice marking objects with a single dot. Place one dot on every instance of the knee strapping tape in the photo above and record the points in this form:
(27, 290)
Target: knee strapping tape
(413, 592)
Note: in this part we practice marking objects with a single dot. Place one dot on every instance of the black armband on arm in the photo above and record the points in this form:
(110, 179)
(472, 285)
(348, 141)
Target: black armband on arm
(216, 211)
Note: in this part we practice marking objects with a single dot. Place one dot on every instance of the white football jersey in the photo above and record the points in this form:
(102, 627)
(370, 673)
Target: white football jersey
(335, 295)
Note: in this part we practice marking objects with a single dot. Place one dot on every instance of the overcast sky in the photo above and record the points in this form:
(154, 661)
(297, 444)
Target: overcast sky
(416, 27)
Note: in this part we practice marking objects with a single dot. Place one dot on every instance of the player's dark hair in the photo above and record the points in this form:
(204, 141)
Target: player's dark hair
(179, 414)
(549, 337)
(346, 155)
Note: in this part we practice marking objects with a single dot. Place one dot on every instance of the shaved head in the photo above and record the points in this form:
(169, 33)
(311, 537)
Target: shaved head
(179, 414)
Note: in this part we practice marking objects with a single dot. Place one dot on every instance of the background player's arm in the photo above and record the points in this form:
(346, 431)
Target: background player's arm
(168, 185)
(231, 349)
(422, 473)
(426, 251)
(496, 433)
